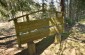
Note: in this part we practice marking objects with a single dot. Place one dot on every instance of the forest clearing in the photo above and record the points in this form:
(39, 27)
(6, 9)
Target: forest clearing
(42, 27)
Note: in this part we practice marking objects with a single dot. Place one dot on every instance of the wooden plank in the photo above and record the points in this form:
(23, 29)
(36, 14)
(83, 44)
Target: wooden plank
(37, 35)
(31, 25)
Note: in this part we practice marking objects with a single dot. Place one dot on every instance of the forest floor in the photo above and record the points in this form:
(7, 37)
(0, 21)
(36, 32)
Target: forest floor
(74, 44)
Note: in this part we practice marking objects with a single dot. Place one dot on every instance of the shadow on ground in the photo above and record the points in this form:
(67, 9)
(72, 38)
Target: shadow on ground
(40, 46)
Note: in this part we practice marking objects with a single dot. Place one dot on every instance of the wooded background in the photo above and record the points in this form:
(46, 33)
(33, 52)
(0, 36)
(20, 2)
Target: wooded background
(73, 9)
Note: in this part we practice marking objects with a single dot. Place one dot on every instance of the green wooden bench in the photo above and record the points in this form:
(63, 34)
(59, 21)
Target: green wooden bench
(31, 30)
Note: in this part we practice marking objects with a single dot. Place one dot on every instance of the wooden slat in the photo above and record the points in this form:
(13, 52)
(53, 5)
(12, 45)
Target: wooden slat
(37, 35)
(40, 26)
(31, 25)
(24, 15)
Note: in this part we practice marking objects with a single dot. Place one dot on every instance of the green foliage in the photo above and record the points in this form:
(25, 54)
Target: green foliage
(81, 4)
(69, 21)
(9, 8)
(65, 35)
(75, 9)
(3, 3)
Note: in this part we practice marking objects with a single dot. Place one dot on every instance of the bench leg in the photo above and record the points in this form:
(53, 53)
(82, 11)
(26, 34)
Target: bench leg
(19, 45)
(57, 39)
(31, 48)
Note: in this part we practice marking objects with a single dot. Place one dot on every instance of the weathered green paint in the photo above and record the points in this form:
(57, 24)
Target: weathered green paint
(31, 30)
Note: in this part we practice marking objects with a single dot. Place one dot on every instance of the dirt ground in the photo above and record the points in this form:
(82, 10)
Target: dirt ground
(74, 44)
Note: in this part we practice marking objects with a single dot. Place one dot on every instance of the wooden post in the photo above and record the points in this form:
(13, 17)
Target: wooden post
(31, 48)
(27, 18)
(43, 8)
(57, 38)
(31, 44)
(17, 33)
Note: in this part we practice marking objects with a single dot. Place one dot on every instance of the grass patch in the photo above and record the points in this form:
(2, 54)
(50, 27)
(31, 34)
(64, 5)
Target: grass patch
(64, 35)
